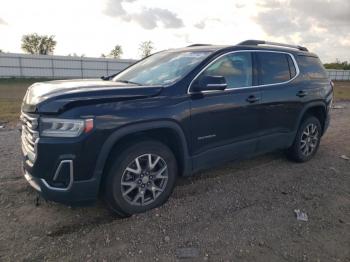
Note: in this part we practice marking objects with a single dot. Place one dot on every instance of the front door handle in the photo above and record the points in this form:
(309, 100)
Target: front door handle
(302, 93)
(252, 99)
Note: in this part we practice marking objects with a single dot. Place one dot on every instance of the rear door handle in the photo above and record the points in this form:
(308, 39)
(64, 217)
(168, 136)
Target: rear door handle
(302, 93)
(252, 99)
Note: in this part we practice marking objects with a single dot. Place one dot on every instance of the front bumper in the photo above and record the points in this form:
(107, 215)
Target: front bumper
(78, 192)
(63, 169)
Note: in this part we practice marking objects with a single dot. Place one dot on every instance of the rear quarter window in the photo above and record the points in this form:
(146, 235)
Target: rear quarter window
(311, 67)
(274, 68)
(292, 68)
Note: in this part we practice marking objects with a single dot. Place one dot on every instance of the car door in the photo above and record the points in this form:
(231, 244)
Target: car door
(280, 104)
(224, 123)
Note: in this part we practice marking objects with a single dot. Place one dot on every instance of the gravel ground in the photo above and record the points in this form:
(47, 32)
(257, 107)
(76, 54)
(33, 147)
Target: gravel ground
(239, 212)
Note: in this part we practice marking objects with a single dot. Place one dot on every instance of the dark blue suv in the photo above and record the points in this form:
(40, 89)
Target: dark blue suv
(127, 137)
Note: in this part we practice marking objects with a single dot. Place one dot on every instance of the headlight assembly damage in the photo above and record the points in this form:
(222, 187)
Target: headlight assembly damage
(55, 127)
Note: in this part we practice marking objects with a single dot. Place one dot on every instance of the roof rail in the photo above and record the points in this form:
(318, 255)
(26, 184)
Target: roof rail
(262, 42)
(194, 45)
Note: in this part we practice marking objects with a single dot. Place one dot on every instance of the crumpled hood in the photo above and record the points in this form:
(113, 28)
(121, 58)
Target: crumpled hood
(52, 96)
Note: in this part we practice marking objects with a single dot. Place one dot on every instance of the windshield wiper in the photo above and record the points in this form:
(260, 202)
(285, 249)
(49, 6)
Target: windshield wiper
(129, 82)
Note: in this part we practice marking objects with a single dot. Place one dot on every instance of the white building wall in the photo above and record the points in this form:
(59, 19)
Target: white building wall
(56, 67)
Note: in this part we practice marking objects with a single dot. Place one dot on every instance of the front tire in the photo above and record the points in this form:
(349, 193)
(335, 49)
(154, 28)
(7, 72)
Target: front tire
(307, 140)
(141, 178)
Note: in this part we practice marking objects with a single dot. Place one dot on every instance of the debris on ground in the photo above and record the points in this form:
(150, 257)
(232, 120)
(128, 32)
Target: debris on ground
(333, 169)
(37, 201)
(345, 157)
(3, 124)
(338, 107)
(167, 239)
(301, 216)
(187, 252)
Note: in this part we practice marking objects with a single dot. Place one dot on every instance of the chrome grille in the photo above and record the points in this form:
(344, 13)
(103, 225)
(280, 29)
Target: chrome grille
(30, 136)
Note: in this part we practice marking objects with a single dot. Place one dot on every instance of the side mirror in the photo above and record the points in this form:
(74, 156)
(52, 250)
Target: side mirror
(209, 83)
(105, 78)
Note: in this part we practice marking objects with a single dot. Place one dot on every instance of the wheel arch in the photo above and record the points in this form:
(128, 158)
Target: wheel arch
(158, 130)
(317, 109)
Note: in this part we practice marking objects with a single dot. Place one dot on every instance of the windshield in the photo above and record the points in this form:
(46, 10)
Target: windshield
(162, 68)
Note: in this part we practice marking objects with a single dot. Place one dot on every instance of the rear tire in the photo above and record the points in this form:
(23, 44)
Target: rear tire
(141, 178)
(307, 140)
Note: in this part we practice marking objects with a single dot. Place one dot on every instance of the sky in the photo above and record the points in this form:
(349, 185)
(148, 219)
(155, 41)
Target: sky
(93, 27)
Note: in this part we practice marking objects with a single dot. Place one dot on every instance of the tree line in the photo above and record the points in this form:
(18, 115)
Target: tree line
(45, 45)
(345, 65)
(145, 49)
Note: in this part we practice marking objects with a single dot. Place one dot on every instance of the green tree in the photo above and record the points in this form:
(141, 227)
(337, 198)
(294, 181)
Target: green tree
(38, 44)
(1, 51)
(116, 52)
(146, 48)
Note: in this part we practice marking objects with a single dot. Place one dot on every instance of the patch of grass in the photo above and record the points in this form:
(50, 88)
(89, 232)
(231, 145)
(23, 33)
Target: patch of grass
(341, 90)
(12, 91)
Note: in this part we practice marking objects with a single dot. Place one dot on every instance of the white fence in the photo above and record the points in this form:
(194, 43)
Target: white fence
(336, 74)
(21, 65)
(45, 66)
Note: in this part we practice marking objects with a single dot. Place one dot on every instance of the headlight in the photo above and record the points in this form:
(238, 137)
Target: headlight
(55, 127)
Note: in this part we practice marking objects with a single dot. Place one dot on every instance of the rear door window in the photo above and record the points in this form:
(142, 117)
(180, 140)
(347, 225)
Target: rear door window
(274, 68)
(311, 67)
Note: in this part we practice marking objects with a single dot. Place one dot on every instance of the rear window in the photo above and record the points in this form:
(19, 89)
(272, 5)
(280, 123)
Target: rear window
(311, 67)
(275, 68)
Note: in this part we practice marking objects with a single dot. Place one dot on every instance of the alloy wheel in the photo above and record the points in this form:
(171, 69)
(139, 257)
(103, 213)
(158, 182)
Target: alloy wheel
(309, 139)
(144, 179)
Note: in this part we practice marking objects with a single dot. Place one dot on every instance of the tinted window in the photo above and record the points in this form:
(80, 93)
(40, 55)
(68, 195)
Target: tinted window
(311, 67)
(274, 68)
(235, 67)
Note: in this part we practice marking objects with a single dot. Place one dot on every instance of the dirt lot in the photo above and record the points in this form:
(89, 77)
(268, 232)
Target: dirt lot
(238, 212)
